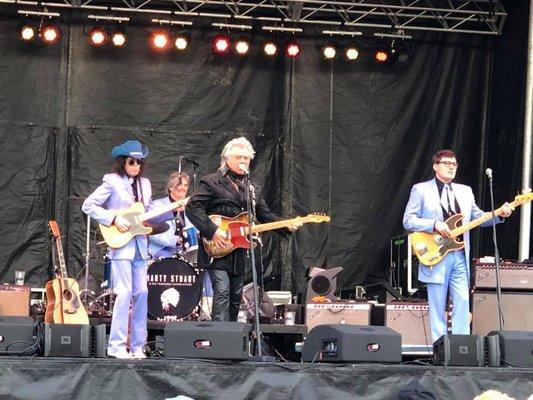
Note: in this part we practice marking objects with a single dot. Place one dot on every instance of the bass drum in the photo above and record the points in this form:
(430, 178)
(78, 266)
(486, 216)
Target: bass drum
(174, 289)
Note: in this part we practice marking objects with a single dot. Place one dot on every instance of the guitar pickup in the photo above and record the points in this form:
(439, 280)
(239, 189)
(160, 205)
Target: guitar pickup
(421, 248)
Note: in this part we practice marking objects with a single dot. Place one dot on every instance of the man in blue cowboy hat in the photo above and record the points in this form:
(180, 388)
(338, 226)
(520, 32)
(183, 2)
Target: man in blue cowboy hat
(118, 191)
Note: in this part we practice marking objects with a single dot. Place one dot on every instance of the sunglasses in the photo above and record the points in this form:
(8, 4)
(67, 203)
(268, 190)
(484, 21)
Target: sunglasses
(134, 161)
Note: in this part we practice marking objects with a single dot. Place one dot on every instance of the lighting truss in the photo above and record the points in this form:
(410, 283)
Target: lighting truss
(484, 17)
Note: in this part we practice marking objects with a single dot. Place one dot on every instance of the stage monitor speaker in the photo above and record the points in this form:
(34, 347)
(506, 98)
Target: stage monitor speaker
(459, 350)
(485, 312)
(352, 343)
(16, 335)
(411, 320)
(14, 300)
(202, 339)
(337, 313)
(67, 340)
(511, 348)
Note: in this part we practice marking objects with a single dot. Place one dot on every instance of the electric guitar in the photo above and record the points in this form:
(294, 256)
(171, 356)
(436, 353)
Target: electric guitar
(430, 248)
(136, 216)
(237, 229)
(63, 303)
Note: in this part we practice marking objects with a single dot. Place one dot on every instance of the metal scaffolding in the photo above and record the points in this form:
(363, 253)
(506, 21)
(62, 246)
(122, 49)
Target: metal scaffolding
(454, 16)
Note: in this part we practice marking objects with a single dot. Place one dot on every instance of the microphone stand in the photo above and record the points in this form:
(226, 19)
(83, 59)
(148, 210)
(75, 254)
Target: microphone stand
(259, 357)
(496, 258)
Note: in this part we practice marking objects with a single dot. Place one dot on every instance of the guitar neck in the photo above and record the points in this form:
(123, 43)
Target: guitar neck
(276, 225)
(478, 221)
(61, 258)
(162, 210)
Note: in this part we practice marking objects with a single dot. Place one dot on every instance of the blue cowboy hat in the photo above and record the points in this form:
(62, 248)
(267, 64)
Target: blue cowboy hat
(130, 148)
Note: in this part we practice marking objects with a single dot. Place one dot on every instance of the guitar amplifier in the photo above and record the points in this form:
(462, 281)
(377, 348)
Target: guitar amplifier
(516, 311)
(514, 276)
(411, 320)
(343, 313)
(14, 301)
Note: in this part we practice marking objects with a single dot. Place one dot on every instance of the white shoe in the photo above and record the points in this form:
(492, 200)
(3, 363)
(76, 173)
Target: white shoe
(122, 353)
(139, 354)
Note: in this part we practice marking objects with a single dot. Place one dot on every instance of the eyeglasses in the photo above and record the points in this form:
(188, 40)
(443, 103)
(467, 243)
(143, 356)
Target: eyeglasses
(449, 163)
(134, 161)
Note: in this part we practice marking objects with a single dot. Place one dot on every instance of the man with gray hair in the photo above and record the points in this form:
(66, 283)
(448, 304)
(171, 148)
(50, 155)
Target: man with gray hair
(223, 193)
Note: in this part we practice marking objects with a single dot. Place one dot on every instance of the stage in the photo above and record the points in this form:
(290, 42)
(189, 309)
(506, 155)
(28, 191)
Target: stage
(159, 378)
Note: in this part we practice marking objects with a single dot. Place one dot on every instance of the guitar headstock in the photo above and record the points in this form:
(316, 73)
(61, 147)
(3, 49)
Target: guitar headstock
(54, 227)
(527, 195)
(318, 217)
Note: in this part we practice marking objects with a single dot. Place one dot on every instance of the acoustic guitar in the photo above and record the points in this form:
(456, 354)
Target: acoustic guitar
(63, 303)
(430, 248)
(237, 230)
(136, 216)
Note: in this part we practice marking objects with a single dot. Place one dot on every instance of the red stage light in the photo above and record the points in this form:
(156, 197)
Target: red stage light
(293, 49)
(160, 40)
(50, 34)
(27, 33)
(381, 56)
(221, 44)
(97, 36)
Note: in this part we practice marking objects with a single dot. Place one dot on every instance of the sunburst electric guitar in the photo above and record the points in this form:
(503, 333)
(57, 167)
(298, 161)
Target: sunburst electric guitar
(63, 303)
(237, 229)
(136, 216)
(430, 248)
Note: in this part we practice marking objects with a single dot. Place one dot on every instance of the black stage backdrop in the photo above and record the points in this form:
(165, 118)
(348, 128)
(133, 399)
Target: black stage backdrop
(345, 139)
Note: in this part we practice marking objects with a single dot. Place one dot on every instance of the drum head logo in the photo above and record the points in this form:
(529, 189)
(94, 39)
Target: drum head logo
(174, 289)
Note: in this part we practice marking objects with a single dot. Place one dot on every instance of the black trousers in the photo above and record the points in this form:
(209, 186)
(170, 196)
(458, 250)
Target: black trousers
(227, 293)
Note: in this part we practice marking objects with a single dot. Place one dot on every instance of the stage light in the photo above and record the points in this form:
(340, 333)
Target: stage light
(221, 44)
(401, 51)
(381, 56)
(270, 49)
(351, 53)
(118, 38)
(50, 34)
(27, 33)
(97, 36)
(242, 46)
(329, 52)
(182, 41)
(160, 40)
(293, 49)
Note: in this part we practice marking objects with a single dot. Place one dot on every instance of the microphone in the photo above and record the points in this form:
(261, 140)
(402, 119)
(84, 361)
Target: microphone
(179, 170)
(244, 168)
(488, 171)
(195, 163)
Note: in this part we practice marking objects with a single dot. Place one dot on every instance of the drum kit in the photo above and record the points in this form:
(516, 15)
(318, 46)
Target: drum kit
(177, 289)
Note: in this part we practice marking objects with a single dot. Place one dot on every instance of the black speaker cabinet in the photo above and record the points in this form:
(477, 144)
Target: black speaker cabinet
(459, 350)
(510, 348)
(67, 340)
(349, 343)
(201, 339)
(16, 334)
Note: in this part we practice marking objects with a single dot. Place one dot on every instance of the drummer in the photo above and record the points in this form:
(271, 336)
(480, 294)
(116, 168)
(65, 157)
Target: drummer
(174, 240)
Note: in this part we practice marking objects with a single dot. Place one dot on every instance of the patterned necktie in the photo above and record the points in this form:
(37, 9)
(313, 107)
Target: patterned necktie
(180, 223)
(447, 199)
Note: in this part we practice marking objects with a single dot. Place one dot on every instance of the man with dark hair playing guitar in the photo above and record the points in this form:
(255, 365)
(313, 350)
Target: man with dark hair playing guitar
(444, 260)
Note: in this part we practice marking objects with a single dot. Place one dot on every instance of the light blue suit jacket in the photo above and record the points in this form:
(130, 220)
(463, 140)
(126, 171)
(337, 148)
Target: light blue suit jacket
(115, 194)
(164, 244)
(424, 209)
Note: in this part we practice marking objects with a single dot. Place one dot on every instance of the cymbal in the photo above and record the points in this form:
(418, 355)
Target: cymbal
(76, 199)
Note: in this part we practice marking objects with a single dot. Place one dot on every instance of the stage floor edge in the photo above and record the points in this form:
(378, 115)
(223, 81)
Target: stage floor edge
(159, 378)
